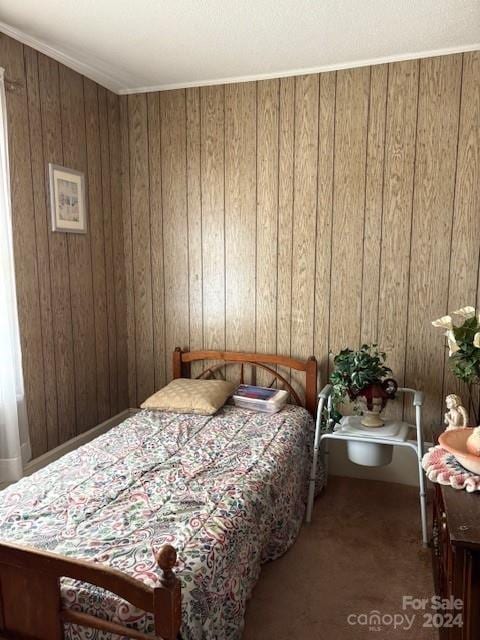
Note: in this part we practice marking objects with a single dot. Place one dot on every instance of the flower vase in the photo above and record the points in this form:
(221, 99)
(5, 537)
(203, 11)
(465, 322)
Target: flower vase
(374, 398)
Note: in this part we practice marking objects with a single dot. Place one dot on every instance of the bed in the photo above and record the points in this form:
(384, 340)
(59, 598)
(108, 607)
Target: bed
(159, 527)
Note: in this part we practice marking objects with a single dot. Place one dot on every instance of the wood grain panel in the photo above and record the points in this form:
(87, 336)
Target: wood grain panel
(59, 263)
(275, 214)
(240, 215)
(79, 255)
(437, 135)
(109, 264)
(128, 252)
(462, 288)
(59, 279)
(323, 258)
(351, 118)
(113, 109)
(267, 219)
(194, 220)
(397, 212)
(95, 219)
(156, 225)
(372, 237)
(285, 214)
(341, 253)
(175, 231)
(39, 441)
(212, 124)
(141, 237)
(24, 241)
(304, 216)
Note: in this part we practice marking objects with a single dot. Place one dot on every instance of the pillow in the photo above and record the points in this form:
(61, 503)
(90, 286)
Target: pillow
(184, 395)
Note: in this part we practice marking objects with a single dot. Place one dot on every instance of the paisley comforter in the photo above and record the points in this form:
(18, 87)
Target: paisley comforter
(226, 490)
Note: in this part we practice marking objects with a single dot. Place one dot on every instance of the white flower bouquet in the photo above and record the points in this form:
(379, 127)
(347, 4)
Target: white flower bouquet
(463, 337)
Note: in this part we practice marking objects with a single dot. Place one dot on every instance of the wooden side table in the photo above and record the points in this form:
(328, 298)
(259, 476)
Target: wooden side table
(456, 557)
(322, 436)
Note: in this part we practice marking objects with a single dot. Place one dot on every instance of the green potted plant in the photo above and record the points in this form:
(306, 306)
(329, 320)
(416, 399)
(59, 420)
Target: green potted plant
(362, 375)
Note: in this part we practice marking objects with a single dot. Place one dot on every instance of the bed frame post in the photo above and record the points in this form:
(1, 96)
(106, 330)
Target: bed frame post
(167, 599)
(177, 363)
(311, 385)
(31, 605)
(180, 369)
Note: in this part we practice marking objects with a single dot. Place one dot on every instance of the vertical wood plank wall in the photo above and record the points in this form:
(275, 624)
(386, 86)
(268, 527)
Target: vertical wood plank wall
(298, 216)
(304, 215)
(70, 288)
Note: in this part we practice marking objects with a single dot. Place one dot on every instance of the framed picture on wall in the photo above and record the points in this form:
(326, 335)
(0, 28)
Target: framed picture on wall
(67, 199)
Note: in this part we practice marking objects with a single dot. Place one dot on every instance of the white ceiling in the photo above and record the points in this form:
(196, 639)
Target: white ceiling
(141, 45)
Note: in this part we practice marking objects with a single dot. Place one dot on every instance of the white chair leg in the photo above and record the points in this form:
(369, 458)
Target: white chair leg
(418, 400)
(311, 489)
(313, 470)
(423, 502)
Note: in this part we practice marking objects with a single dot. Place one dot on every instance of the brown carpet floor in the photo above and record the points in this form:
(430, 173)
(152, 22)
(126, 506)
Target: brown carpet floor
(362, 552)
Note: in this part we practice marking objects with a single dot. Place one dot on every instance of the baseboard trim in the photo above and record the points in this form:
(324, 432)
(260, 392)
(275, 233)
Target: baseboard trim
(54, 454)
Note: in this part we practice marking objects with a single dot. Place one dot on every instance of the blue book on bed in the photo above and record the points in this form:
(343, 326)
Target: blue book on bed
(263, 399)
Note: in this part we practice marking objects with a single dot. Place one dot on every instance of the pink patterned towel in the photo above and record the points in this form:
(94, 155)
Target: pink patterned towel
(442, 467)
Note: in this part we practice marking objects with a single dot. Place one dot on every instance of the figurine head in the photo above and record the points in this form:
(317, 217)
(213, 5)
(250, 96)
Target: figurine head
(453, 401)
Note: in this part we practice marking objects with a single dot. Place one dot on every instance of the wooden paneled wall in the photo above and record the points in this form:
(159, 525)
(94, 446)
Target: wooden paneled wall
(304, 215)
(297, 216)
(70, 288)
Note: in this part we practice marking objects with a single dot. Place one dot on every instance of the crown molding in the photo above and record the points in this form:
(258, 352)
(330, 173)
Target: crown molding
(306, 71)
(110, 81)
(84, 67)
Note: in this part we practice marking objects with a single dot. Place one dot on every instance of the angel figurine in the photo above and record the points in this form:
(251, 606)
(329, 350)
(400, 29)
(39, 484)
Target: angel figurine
(457, 416)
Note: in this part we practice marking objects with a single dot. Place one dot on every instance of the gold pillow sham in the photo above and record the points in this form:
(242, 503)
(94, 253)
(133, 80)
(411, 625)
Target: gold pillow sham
(183, 395)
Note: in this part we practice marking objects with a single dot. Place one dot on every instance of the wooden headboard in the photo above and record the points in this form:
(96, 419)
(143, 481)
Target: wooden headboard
(182, 359)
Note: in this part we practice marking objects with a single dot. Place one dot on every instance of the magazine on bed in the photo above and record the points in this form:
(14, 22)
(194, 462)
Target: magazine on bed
(263, 399)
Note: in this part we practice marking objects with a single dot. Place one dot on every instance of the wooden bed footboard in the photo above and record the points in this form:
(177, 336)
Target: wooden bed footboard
(31, 606)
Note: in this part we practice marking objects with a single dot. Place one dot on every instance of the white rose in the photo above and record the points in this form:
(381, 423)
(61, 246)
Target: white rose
(452, 343)
(465, 312)
(445, 322)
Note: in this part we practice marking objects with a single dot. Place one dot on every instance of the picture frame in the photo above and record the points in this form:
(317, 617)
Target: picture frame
(67, 199)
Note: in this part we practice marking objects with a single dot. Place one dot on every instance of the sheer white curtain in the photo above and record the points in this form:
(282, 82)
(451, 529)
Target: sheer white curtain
(14, 441)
